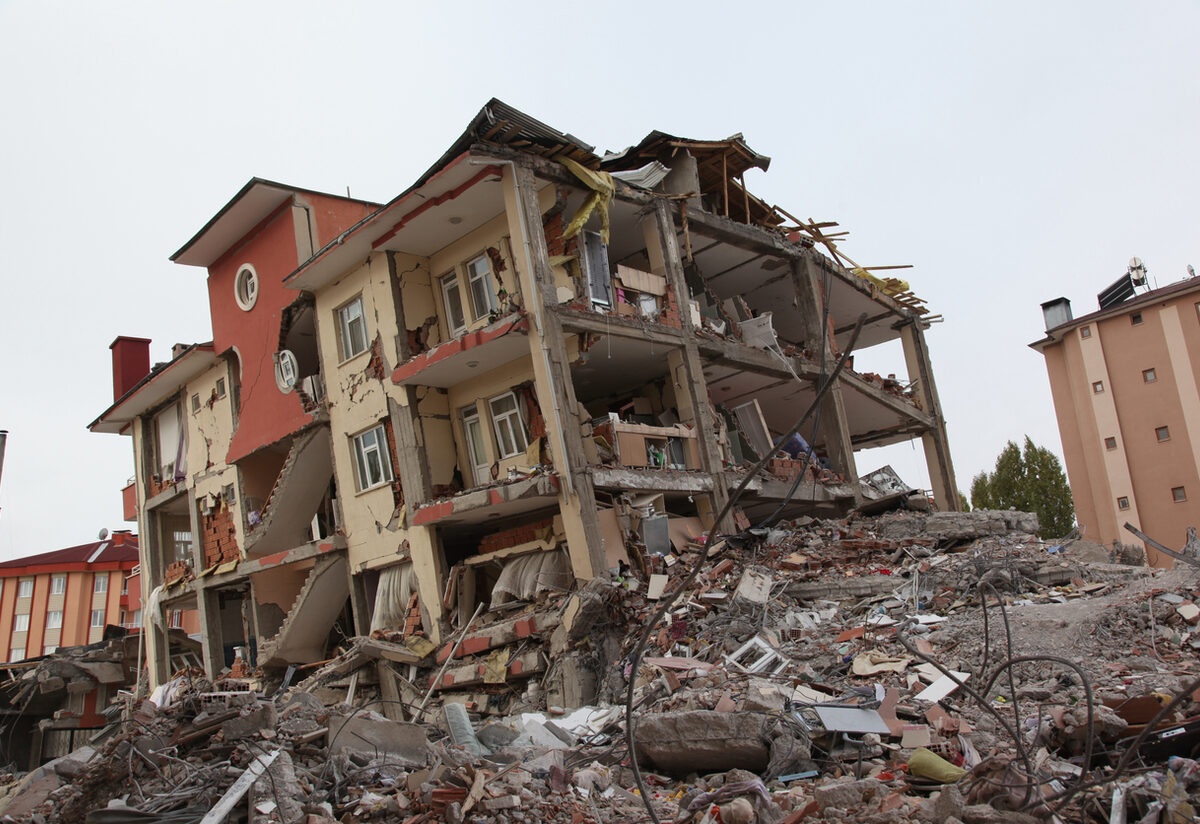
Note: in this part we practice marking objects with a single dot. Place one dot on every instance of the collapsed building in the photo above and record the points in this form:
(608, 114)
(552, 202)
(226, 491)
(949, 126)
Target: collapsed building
(536, 364)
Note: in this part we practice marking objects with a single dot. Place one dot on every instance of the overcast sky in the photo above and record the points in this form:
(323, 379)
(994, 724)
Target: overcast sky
(1012, 152)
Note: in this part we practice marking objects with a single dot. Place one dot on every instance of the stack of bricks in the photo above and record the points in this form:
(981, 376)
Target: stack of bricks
(158, 486)
(219, 536)
(785, 469)
(179, 571)
(375, 367)
(533, 412)
(513, 537)
(412, 623)
(669, 316)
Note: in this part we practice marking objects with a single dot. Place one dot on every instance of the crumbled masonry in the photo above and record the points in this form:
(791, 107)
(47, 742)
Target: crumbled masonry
(825, 670)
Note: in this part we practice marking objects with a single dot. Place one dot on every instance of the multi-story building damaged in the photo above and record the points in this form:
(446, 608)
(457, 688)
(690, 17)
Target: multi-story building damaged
(534, 365)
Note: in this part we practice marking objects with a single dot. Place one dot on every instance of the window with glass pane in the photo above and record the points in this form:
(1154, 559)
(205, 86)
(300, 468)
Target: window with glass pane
(371, 458)
(474, 430)
(22, 623)
(101, 584)
(352, 328)
(483, 293)
(183, 544)
(456, 321)
(17, 654)
(58, 584)
(97, 618)
(510, 431)
(54, 619)
(25, 589)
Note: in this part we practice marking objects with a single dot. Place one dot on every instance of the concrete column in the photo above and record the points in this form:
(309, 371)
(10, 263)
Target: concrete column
(662, 248)
(208, 602)
(552, 373)
(833, 432)
(937, 446)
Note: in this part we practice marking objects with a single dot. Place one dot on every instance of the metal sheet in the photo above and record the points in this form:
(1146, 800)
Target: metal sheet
(844, 719)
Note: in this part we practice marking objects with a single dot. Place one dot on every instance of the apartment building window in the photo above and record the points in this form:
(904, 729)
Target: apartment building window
(220, 387)
(483, 289)
(1122, 502)
(183, 549)
(371, 458)
(595, 262)
(475, 446)
(1085, 331)
(195, 404)
(125, 584)
(456, 321)
(1178, 494)
(352, 328)
(97, 618)
(16, 654)
(25, 588)
(1110, 443)
(1098, 387)
(58, 584)
(49, 649)
(245, 287)
(21, 622)
(1136, 319)
(176, 618)
(101, 583)
(54, 619)
(1149, 376)
(168, 440)
(1162, 433)
(137, 618)
(510, 429)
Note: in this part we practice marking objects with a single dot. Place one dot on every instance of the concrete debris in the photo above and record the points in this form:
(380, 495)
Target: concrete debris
(817, 688)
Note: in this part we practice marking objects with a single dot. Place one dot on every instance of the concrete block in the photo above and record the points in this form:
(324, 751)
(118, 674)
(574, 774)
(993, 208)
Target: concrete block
(371, 733)
(703, 740)
(849, 794)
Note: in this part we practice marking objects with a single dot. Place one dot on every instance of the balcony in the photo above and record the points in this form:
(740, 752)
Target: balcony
(129, 501)
(468, 355)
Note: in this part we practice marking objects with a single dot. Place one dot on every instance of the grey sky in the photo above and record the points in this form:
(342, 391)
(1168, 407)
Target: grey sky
(1013, 152)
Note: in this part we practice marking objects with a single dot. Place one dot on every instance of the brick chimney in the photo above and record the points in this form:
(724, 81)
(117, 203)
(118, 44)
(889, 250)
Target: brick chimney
(131, 363)
(120, 536)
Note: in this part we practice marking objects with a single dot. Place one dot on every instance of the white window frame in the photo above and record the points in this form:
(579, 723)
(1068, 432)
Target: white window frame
(481, 284)
(21, 622)
(100, 584)
(16, 654)
(452, 300)
(49, 649)
(594, 256)
(25, 588)
(476, 445)
(245, 287)
(54, 619)
(509, 426)
(137, 619)
(97, 613)
(287, 371)
(371, 443)
(352, 340)
(58, 584)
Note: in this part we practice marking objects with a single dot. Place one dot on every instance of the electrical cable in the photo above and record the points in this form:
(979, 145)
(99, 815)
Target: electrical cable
(702, 555)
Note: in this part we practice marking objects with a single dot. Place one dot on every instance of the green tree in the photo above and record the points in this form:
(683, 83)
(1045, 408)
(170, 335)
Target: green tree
(1031, 480)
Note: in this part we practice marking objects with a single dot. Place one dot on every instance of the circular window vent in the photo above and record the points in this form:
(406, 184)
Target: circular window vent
(245, 288)
(286, 371)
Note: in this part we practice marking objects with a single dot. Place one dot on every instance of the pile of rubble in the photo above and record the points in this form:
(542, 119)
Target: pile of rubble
(906, 667)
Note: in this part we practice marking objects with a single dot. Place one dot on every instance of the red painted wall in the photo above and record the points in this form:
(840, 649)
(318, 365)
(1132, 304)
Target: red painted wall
(267, 415)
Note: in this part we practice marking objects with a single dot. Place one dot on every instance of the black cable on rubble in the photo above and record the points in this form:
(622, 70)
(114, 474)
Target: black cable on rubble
(669, 598)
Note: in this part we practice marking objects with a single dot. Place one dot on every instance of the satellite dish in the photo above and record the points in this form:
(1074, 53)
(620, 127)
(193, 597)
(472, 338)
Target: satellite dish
(103, 534)
(1137, 271)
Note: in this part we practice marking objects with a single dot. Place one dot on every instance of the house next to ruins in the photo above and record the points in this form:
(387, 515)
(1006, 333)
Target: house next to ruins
(1126, 387)
(531, 359)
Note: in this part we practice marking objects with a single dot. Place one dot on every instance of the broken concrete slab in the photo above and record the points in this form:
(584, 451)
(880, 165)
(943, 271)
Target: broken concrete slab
(373, 734)
(703, 740)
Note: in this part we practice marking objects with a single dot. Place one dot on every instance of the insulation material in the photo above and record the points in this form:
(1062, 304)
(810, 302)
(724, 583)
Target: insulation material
(392, 596)
(525, 576)
(601, 184)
